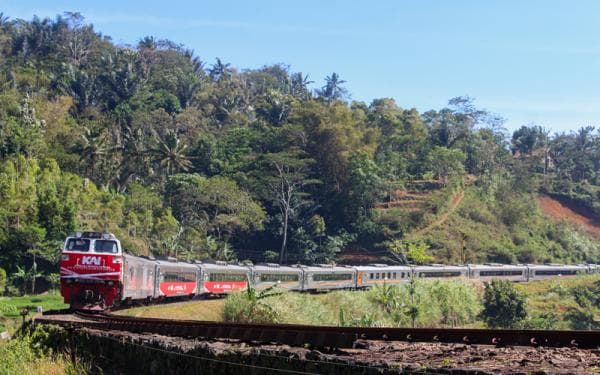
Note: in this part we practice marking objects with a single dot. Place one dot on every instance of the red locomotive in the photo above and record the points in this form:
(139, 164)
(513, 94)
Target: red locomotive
(96, 273)
(91, 270)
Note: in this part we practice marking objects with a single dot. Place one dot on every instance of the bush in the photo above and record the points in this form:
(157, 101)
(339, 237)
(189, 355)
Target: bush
(503, 305)
(248, 307)
(30, 353)
(2, 280)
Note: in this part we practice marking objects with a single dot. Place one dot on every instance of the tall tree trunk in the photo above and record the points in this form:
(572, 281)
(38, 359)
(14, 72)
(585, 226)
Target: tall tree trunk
(284, 242)
(34, 273)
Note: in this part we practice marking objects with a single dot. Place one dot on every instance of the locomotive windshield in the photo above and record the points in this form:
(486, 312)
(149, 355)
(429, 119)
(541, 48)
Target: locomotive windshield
(78, 244)
(105, 246)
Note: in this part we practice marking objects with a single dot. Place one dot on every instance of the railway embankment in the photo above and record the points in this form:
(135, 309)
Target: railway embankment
(117, 351)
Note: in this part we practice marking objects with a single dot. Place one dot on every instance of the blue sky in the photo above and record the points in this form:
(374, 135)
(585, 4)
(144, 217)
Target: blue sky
(529, 61)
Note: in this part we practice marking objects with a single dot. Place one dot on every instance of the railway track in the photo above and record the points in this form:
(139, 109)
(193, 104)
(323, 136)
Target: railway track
(325, 336)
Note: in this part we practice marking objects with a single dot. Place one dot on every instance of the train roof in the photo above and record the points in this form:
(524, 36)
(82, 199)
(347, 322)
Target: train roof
(327, 268)
(556, 266)
(440, 267)
(496, 266)
(170, 263)
(273, 267)
(94, 235)
(377, 268)
(208, 265)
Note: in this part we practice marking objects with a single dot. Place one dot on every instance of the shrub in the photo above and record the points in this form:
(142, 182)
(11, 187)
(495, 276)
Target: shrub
(503, 305)
(29, 353)
(248, 307)
(2, 280)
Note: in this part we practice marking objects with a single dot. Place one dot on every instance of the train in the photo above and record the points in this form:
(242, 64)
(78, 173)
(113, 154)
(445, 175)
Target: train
(96, 274)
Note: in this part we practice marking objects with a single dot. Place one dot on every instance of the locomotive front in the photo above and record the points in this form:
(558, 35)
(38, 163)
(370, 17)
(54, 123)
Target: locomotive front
(90, 270)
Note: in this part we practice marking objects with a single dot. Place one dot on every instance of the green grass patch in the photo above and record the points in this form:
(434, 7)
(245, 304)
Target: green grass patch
(211, 309)
(29, 353)
(11, 307)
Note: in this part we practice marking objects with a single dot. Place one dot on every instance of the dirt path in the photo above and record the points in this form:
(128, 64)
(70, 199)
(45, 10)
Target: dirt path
(442, 217)
(558, 212)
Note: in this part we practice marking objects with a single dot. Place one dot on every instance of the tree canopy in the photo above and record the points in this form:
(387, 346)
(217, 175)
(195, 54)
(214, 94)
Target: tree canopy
(178, 155)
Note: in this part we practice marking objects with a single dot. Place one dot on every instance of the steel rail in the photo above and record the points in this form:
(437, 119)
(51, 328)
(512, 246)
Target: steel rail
(334, 337)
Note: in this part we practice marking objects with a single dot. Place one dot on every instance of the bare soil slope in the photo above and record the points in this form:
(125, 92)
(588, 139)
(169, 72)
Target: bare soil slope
(444, 216)
(559, 211)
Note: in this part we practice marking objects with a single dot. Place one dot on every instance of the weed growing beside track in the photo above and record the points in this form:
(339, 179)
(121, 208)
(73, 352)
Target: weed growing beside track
(30, 353)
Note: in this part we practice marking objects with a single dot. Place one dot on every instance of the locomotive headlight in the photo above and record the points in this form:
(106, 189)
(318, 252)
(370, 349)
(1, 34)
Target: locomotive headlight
(68, 281)
(110, 283)
(65, 257)
(116, 260)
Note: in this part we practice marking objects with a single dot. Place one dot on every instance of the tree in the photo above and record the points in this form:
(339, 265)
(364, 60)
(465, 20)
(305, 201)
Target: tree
(214, 205)
(445, 162)
(285, 181)
(582, 315)
(169, 155)
(414, 252)
(333, 89)
(503, 305)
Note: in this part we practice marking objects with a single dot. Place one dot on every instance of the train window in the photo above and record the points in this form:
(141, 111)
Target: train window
(332, 276)
(227, 277)
(371, 276)
(179, 277)
(394, 275)
(389, 275)
(377, 276)
(555, 272)
(440, 274)
(275, 277)
(500, 273)
(78, 244)
(103, 246)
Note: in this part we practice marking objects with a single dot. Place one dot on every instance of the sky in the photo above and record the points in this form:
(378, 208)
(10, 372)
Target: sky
(528, 61)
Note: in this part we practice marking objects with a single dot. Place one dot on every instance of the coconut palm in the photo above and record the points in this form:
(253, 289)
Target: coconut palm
(169, 154)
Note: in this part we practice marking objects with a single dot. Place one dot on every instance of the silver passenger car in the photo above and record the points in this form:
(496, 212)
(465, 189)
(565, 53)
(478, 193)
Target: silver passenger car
(440, 271)
(176, 279)
(376, 274)
(486, 272)
(593, 268)
(222, 278)
(269, 274)
(327, 277)
(548, 271)
(138, 277)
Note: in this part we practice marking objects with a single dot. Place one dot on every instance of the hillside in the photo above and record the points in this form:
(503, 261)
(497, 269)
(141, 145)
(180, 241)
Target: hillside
(186, 155)
(559, 211)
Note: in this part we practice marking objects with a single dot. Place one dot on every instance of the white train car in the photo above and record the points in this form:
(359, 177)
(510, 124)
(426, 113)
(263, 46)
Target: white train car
(549, 271)
(377, 274)
(487, 272)
(138, 278)
(269, 274)
(222, 278)
(439, 271)
(328, 277)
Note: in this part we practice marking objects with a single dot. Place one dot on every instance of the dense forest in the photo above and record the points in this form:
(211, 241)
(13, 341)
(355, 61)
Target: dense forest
(182, 156)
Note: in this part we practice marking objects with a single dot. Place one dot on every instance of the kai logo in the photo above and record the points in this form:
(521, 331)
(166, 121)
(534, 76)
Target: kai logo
(91, 260)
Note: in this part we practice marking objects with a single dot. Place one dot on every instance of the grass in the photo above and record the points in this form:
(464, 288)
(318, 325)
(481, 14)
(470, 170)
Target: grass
(553, 297)
(211, 309)
(29, 354)
(445, 303)
(11, 307)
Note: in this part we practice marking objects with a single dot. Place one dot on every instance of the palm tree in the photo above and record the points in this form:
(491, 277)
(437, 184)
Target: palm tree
(219, 70)
(94, 147)
(169, 154)
(333, 89)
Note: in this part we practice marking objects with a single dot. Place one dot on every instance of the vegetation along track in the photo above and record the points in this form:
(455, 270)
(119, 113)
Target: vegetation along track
(325, 336)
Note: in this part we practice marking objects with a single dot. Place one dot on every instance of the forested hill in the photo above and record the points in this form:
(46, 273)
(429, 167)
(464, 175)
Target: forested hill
(182, 154)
